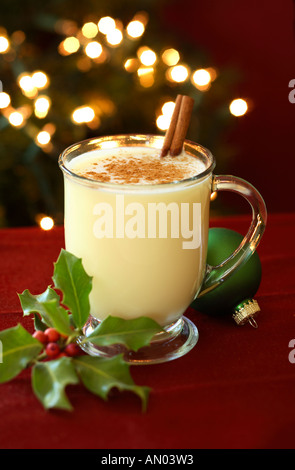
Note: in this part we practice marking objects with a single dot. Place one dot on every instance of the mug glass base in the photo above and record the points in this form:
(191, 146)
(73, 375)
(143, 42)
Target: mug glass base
(176, 341)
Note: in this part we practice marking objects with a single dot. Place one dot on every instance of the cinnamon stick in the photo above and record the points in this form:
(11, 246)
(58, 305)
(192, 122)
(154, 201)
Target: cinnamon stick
(171, 129)
(176, 133)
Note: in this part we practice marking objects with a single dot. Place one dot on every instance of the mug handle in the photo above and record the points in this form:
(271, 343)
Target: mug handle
(215, 275)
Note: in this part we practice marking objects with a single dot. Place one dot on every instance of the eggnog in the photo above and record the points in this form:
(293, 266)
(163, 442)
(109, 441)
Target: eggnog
(140, 224)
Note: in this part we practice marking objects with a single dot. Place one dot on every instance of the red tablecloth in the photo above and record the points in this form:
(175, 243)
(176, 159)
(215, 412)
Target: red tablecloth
(235, 389)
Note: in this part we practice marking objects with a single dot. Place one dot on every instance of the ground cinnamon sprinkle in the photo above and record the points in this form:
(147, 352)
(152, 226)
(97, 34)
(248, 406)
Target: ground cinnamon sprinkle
(146, 169)
(97, 176)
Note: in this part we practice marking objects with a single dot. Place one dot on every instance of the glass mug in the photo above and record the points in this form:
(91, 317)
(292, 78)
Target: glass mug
(142, 266)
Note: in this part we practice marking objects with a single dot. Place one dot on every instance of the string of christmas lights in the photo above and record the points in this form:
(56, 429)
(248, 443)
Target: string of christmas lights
(94, 44)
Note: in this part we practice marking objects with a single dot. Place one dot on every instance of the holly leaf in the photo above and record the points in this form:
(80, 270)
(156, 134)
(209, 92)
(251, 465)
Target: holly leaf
(49, 380)
(33, 303)
(100, 375)
(59, 317)
(38, 323)
(19, 348)
(47, 305)
(70, 277)
(134, 333)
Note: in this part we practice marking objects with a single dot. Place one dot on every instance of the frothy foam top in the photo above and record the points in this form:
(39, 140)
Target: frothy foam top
(135, 165)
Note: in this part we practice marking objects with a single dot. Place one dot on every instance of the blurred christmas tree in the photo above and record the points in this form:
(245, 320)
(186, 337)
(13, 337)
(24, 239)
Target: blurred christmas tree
(73, 70)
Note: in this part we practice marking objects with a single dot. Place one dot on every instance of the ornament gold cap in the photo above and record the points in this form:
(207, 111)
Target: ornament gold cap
(246, 311)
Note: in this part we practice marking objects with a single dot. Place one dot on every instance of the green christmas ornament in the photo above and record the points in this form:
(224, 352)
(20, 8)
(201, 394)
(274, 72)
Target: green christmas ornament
(235, 296)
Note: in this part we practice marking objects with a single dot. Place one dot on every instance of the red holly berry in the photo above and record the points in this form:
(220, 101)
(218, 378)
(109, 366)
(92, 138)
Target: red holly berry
(40, 336)
(52, 335)
(52, 350)
(72, 349)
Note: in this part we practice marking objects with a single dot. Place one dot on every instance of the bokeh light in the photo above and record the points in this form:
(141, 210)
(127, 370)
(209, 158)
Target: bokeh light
(43, 138)
(131, 65)
(146, 76)
(93, 49)
(46, 223)
(178, 73)
(4, 100)
(163, 122)
(70, 45)
(83, 114)
(42, 105)
(170, 57)
(164, 119)
(40, 79)
(4, 44)
(16, 118)
(89, 30)
(106, 24)
(135, 29)
(27, 86)
(147, 56)
(168, 108)
(114, 37)
(238, 107)
(201, 77)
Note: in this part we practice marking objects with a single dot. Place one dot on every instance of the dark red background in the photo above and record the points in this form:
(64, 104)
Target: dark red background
(256, 37)
(234, 390)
